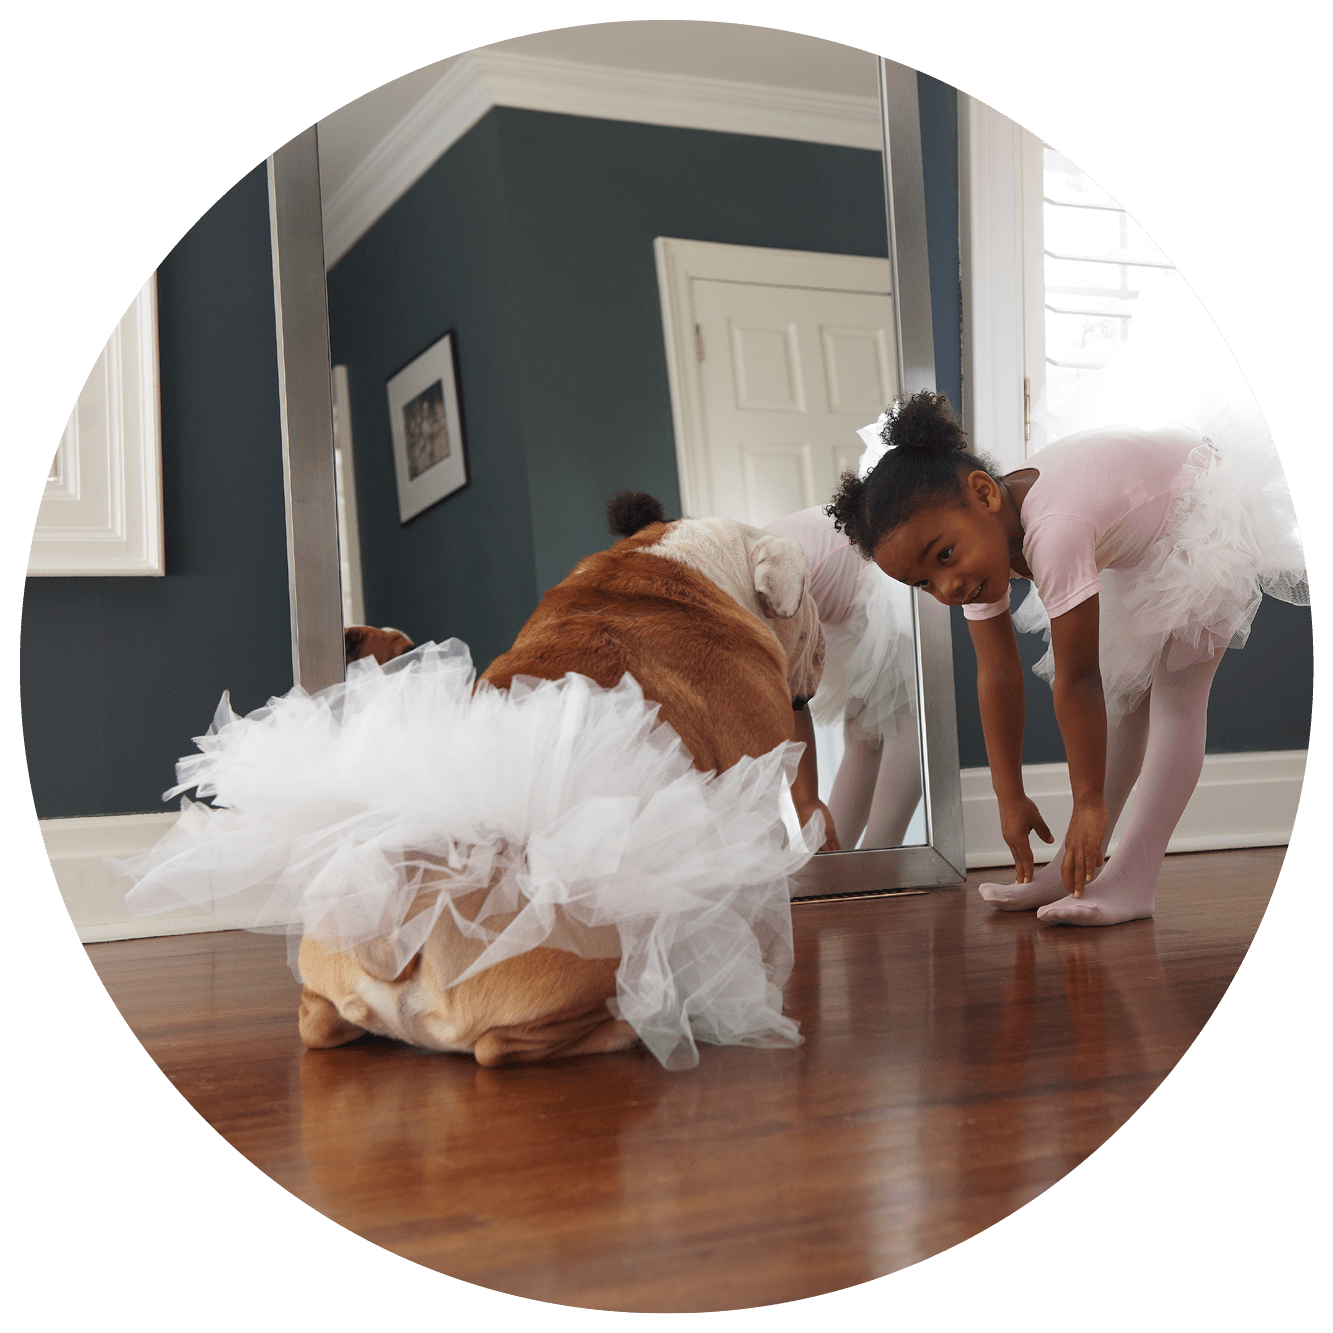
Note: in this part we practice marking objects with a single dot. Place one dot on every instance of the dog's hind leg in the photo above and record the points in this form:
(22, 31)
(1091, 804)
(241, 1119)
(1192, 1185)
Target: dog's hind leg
(320, 1023)
(591, 1032)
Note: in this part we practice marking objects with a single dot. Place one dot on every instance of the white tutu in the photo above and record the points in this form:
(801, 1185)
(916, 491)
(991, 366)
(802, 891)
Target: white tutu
(869, 660)
(364, 811)
(1232, 535)
(1230, 538)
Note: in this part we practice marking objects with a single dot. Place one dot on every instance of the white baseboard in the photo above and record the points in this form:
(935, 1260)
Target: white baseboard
(94, 894)
(1242, 800)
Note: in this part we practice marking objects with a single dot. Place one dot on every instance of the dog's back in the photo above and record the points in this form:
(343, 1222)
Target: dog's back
(718, 672)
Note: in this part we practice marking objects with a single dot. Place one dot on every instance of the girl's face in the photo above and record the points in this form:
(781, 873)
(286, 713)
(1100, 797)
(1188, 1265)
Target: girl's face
(956, 552)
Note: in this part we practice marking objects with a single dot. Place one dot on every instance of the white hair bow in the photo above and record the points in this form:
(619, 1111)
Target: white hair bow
(875, 448)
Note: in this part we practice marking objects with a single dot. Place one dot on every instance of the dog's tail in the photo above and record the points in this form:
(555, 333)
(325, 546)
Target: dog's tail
(628, 511)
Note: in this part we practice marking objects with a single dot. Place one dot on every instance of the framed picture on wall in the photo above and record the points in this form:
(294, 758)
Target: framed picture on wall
(426, 422)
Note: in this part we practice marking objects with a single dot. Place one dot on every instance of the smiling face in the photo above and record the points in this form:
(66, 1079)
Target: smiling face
(956, 552)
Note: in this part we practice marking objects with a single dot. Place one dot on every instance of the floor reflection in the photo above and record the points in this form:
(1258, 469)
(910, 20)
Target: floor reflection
(957, 1062)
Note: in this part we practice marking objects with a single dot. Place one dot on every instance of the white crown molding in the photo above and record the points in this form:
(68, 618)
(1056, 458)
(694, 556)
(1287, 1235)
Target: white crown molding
(1242, 800)
(101, 512)
(483, 79)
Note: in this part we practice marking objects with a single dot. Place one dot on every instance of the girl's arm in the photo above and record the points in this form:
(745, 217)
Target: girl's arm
(805, 787)
(1081, 712)
(1000, 694)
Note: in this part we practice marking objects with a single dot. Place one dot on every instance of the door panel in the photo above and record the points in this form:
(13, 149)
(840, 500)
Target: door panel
(787, 375)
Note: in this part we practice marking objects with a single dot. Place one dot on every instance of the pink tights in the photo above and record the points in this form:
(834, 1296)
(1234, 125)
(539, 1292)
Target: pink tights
(877, 786)
(1160, 746)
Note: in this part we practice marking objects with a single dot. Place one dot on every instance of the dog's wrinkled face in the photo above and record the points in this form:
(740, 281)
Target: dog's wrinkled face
(766, 575)
(382, 644)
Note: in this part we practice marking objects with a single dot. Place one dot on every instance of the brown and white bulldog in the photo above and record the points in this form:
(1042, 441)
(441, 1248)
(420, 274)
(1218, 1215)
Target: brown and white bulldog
(714, 621)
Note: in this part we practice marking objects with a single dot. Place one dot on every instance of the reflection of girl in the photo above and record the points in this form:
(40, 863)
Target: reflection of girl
(1150, 549)
(868, 685)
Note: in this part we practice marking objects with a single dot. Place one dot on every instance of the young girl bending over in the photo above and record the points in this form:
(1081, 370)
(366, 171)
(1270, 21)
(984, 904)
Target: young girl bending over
(1149, 550)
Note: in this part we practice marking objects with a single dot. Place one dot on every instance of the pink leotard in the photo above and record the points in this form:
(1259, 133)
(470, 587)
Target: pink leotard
(1100, 502)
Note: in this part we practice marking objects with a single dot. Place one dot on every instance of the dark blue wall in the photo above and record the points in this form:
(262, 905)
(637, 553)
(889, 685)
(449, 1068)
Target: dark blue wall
(533, 239)
(117, 674)
(938, 105)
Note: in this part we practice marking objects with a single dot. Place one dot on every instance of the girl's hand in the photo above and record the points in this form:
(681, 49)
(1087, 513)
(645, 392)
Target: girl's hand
(831, 843)
(1083, 846)
(805, 811)
(805, 785)
(1018, 818)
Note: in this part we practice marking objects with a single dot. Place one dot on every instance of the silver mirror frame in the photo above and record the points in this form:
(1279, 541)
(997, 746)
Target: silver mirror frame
(305, 386)
(942, 859)
(305, 395)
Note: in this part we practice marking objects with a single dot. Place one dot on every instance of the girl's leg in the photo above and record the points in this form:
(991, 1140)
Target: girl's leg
(1177, 729)
(853, 787)
(1125, 745)
(898, 786)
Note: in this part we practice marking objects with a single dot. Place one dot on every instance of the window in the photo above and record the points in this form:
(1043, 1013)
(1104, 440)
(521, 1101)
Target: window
(1072, 317)
(102, 509)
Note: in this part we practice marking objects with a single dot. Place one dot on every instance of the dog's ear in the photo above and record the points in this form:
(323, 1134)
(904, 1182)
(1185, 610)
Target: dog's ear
(778, 567)
(353, 637)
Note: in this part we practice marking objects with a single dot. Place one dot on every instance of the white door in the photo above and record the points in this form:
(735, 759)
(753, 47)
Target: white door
(786, 355)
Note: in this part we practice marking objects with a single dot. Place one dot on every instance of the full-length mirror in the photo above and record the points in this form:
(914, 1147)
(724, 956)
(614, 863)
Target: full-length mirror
(622, 258)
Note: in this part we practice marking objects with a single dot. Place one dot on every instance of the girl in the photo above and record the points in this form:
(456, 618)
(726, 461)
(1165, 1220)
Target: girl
(869, 685)
(1149, 550)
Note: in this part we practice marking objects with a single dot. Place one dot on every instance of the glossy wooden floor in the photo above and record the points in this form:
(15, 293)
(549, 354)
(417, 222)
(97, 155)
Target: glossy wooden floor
(957, 1062)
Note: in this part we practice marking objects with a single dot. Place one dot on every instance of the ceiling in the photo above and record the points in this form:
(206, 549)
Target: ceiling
(730, 51)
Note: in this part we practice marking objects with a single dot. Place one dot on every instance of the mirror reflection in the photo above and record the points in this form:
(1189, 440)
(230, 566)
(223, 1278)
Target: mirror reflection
(634, 298)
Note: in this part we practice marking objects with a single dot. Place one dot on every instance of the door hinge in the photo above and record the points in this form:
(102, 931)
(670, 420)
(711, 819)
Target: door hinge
(698, 344)
(1027, 410)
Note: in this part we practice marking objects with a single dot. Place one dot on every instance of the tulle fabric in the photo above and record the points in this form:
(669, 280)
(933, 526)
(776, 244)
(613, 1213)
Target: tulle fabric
(869, 660)
(1232, 535)
(1230, 538)
(368, 810)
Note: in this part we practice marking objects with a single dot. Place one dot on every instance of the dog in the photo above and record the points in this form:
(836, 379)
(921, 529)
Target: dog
(382, 644)
(714, 621)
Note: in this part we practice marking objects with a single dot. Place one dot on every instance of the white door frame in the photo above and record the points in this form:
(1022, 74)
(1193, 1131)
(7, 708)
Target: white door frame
(1000, 227)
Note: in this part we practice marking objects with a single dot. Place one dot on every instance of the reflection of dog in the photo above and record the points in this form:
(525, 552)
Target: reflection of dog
(713, 620)
(381, 644)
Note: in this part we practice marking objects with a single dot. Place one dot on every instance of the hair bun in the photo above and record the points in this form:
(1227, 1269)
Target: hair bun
(629, 511)
(925, 423)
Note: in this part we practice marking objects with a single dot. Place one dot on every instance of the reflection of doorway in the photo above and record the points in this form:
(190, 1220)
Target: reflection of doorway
(776, 358)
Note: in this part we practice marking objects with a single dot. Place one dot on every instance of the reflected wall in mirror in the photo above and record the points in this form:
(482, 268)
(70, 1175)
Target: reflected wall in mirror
(668, 262)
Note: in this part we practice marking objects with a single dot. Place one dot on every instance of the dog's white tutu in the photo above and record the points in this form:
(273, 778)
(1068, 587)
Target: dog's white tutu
(1230, 538)
(870, 660)
(365, 811)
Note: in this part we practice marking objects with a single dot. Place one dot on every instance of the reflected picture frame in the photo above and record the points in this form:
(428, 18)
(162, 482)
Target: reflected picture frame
(426, 427)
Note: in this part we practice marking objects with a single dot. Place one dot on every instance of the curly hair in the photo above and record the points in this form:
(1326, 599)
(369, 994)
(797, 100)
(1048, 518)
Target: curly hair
(927, 460)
